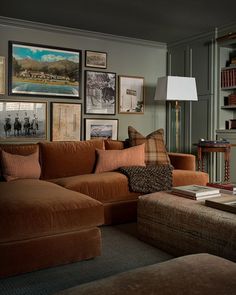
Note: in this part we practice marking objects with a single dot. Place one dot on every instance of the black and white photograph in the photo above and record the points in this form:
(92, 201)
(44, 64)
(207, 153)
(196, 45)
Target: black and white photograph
(99, 128)
(100, 93)
(23, 121)
(131, 95)
(95, 59)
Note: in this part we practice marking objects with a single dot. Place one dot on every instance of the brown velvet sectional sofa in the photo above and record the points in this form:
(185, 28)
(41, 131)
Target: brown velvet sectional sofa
(55, 219)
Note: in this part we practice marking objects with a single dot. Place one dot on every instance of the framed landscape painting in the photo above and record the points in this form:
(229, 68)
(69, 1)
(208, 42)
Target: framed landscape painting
(95, 59)
(131, 95)
(66, 121)
(23, 121)
(43, 70)
(99, 128)
(100, 93)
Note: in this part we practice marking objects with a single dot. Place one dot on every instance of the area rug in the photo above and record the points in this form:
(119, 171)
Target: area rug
(121, 251)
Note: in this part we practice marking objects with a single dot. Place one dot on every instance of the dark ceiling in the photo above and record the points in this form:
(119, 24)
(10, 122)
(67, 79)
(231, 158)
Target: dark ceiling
(157, 20)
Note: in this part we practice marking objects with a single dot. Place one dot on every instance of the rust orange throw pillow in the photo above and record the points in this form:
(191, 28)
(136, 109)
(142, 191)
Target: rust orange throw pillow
(17, 166)
(109, 160)
(155, 150)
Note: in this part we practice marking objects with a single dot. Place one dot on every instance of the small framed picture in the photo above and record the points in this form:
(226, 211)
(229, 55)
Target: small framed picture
(100, 93)
(99, 128)
(95, 59)
(44, 70)
(131, 95)
(23, 121)
(66, 121)
(2, 75)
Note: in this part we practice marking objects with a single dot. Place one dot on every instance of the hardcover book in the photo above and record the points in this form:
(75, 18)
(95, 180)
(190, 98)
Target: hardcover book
(196, 190)
(224, 186)
(225, 204)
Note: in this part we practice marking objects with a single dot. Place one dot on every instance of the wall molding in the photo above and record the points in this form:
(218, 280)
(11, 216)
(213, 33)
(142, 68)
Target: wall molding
(12, 22)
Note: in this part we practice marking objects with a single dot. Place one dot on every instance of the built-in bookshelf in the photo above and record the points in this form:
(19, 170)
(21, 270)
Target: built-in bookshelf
(227, 85)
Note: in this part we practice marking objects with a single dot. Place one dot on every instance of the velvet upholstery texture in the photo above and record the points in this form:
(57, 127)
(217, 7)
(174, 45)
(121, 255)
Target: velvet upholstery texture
(17, 166)
(62, 159)
(110, 160)
(104, 187)
(183, 161)
(201, 274)
(18, 149)
(187, 177)
(36, 208)
(47, 251)
(114, 144)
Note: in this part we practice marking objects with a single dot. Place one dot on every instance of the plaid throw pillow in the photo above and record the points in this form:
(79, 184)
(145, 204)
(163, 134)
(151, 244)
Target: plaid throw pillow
(155, 151)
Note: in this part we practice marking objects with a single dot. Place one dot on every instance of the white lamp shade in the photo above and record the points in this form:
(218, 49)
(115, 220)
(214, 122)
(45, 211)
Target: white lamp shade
(176, 88)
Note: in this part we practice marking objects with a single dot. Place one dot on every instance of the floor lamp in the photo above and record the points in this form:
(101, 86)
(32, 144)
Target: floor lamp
(174, 88)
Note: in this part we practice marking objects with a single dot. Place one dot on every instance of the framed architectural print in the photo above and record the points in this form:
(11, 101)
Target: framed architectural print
(43, 70)
(131, 95)
(99, 128)
(66, 121)
(23, 121)
(100, 93)
(95, 59)
(2, 75)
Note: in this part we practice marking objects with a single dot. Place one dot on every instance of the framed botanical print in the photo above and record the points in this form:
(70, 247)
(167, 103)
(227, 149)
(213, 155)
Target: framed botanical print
(2, 75)
(23, 121)
(131, 95)
(66, 121)
(95, 59)
(101, 128)
(43, 70)
(100, 93)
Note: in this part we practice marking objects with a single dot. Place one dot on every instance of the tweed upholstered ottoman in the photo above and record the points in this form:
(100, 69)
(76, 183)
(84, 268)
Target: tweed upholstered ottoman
(182, 226)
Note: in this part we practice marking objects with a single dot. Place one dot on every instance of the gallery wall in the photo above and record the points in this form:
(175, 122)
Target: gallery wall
(125, 56)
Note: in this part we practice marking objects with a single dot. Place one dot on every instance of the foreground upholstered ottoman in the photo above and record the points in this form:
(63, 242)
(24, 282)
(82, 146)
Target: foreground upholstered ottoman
(182, 226)
(201, 274)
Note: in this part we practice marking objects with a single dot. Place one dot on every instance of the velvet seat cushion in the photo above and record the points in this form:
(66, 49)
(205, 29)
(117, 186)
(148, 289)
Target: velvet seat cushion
(104, 187)
(32, 208)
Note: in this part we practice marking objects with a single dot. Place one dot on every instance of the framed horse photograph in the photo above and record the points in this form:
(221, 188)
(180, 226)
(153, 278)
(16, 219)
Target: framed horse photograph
(100, 93)
(23, 121)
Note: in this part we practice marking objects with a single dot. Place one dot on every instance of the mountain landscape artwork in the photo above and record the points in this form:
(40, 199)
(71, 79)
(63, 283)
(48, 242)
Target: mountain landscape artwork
(39, 70)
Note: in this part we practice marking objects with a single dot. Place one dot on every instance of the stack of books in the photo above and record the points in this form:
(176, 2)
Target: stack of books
(225, 188)
(228, 77)
(196, 192)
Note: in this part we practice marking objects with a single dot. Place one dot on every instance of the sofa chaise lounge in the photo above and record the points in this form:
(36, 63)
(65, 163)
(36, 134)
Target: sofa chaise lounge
(55, 219)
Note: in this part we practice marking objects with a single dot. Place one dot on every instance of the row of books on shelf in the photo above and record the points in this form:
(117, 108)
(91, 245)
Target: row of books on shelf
(230, 99)
(228, 77)
(199, 192)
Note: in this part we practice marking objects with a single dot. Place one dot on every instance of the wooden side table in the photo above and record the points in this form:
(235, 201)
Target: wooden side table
(215, 148)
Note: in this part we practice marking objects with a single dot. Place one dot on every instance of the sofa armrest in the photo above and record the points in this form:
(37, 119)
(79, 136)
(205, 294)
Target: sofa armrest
(183, 161)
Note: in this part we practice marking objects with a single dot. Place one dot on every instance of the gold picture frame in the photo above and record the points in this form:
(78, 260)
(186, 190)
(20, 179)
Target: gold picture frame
(2, 74)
